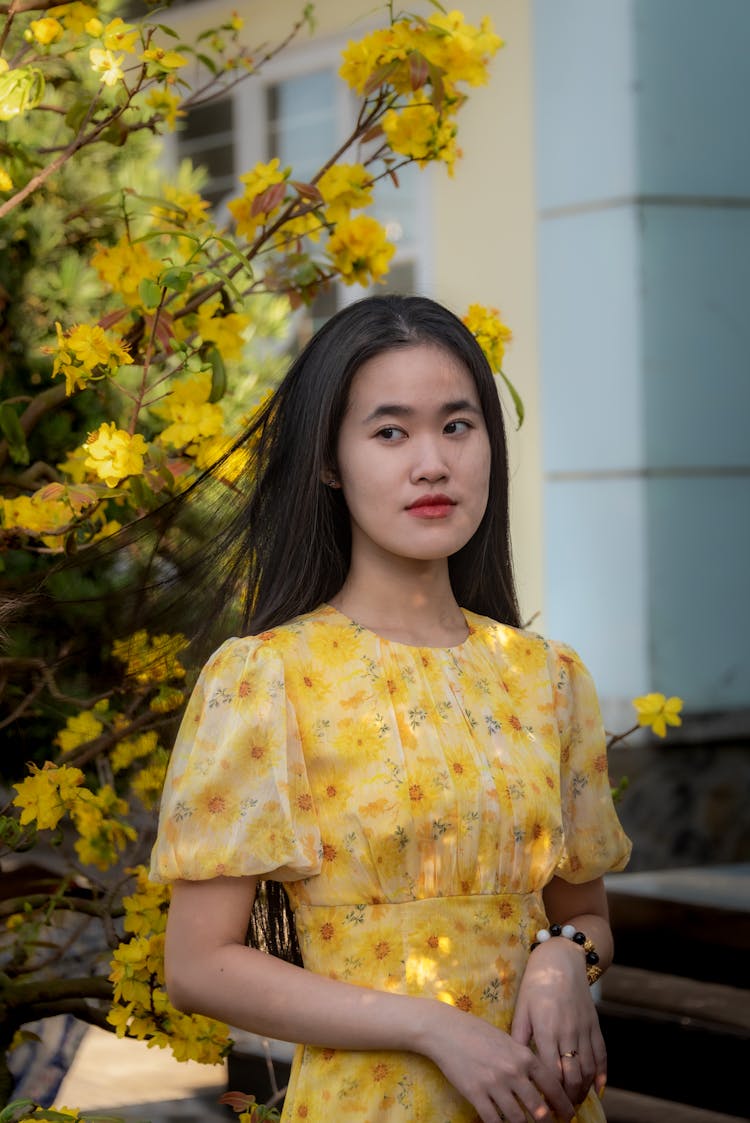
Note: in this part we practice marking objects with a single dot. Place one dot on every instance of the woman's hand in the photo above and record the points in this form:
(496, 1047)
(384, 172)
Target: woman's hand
(491, 1070)
(555, 1010)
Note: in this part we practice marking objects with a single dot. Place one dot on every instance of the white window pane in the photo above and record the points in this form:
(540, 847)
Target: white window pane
(301, 121)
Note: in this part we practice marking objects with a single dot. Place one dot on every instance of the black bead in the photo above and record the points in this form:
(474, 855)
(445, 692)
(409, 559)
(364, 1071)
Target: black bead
(592, 957)
(579, 938)
(555, 929)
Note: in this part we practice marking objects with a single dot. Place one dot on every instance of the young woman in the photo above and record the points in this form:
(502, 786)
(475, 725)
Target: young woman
(427, 780)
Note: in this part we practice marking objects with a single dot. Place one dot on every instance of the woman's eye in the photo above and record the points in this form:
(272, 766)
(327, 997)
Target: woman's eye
(390, 433)
(457, 427)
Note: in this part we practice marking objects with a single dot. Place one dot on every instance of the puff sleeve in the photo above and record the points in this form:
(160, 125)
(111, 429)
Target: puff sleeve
(594, 842)
(236, 799)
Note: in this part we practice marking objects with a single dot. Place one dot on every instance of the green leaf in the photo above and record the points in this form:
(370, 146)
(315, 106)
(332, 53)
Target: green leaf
(517, 399)
(168, 30)
(149, 292)
(14, 434)
(16, 1109)
(218, 375)
(176, 279)
(208, 63)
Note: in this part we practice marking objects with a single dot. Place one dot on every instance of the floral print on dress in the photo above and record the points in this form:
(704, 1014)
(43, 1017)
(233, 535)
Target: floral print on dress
(415, 801)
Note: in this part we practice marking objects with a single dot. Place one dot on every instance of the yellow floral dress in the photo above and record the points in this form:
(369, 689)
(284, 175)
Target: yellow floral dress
(415, 801)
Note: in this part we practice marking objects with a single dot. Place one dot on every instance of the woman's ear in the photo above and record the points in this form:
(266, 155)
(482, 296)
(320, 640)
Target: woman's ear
(329, 478)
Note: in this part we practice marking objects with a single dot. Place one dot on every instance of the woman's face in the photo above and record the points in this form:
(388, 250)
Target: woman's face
(413, 456)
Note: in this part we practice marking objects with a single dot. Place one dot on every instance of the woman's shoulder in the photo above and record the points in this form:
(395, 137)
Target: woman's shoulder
(280, 641)
(525, 643)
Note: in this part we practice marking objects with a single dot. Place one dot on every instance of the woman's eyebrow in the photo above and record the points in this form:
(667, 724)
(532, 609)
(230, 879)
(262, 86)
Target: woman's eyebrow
(398, 409)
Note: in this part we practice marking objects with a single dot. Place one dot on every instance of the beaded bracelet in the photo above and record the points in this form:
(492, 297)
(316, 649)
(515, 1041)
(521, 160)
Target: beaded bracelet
(593, 970)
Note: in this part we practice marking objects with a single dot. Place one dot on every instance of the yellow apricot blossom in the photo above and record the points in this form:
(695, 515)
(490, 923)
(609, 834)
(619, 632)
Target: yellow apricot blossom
(259, 202)
(79, 728)
(226, 332)
(102, 832)
(345, 187)
(6, 183)
(123, 266)
(360, 250)
(75, 16)
(47, 794)
(114, 454)
(108, 65)
(192, 417)
(160, 61)
(73, 465)
(46, 30)
(461, 50)
(120, 36)
(151, 660)
(184, 208)
(148, 781)
(43, 518)
(133, 748)
(167, 105)
(491, 333)
(86, 353)
(419, 131)
(657, 711)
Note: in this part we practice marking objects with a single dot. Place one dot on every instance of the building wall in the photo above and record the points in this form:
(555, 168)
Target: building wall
(643, 190)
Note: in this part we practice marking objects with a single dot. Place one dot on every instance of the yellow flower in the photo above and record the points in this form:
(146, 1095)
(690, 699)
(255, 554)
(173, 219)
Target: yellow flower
(75, 16)
(227, 332)
(345, 187)
(360, 251)
(161, 62)
(166, 105)
(260, 200)
(421, 132)
(193, 418)
(133, 748)
(47, 794)
(6, 183)
(120, 36)
(102, 833)
(490, 332)
(658, 712)
(83, 351)
(36, 516)
(148, 781)
(461, 50)
(73, 465)
(114, 454)
(106, 64)
(123, 267)
(79, 729)
(187, 207)
(151, 660)
(46, 30)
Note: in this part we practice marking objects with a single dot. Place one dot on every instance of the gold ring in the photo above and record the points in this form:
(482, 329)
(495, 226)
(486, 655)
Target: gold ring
(570, 1053)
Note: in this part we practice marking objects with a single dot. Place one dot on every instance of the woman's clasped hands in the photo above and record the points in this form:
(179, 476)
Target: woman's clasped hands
(501, 1077)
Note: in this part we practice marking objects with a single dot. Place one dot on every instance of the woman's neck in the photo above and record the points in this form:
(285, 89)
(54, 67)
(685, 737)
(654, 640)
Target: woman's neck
(415, 608)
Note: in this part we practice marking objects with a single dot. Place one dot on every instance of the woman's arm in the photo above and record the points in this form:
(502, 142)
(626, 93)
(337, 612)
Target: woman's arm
(210, 971)
(555, 1008)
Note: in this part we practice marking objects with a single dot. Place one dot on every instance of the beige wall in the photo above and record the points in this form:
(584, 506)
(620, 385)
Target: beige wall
(483, 219)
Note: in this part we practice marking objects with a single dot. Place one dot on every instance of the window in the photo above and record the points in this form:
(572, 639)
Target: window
(206, 137)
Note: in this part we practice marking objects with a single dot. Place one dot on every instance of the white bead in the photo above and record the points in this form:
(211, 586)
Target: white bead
(543, 935)
(569, 931)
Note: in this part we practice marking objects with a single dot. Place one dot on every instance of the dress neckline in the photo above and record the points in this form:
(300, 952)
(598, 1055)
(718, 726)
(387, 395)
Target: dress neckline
(454, 647)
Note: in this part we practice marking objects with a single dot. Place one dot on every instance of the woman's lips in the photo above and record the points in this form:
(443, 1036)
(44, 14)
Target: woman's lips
(431, 507)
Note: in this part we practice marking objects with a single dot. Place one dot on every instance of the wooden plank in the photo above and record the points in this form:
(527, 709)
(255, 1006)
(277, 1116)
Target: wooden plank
(708, 1002)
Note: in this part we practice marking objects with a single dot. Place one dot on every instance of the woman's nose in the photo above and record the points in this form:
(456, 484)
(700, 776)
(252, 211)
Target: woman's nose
(429, 462)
